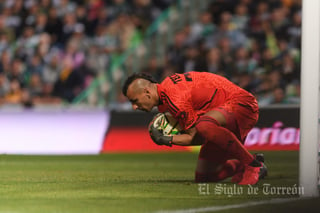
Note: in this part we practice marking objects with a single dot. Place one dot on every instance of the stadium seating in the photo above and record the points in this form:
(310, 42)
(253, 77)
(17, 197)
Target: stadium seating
(78, 52)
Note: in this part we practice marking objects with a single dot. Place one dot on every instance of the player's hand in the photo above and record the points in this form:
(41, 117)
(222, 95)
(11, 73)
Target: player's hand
(158, 137)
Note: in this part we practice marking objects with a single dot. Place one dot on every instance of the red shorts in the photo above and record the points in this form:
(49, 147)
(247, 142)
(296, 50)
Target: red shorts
(241, 115)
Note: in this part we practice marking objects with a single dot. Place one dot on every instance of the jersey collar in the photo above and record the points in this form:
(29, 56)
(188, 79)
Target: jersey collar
(161, 106)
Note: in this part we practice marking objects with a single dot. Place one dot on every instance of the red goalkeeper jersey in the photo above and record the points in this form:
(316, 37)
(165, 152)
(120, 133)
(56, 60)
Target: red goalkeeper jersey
(189, 95)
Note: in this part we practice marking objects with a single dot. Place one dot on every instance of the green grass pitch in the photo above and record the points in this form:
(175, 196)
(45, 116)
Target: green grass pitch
(142, 182)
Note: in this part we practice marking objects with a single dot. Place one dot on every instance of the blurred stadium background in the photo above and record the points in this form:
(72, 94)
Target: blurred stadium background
(62, 64)
(64, 52)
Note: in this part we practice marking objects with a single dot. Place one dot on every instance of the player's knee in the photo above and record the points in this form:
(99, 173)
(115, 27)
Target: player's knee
(205, 125)
(200, 177)
(206, 177)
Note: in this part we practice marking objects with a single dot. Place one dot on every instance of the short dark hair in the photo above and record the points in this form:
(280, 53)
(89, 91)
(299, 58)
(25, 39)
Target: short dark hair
(135, 76)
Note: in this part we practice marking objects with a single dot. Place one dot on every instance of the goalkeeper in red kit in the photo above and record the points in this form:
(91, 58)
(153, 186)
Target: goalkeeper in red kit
(213, 112)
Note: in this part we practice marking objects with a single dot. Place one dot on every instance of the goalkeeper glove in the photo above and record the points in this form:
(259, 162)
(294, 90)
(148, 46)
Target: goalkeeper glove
(158, 137)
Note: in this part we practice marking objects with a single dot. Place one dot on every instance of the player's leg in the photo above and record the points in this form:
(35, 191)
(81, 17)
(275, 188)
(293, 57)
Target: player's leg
(247, 119)
(212, 132)
(241, 117)
(213, 165)
(208, 171)
(211, 171)
(230, 168)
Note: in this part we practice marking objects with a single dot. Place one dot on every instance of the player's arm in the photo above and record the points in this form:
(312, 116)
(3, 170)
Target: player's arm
(179, 108)
(185, 139)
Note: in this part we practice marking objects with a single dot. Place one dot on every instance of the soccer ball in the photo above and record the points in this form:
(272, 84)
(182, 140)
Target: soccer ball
(168, 124)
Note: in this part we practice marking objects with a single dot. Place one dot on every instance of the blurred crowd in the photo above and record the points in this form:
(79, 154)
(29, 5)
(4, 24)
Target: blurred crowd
(50, 50)
(254, 43)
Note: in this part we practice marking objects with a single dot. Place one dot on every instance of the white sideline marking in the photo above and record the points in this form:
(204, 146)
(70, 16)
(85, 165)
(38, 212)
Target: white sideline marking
(234, 206)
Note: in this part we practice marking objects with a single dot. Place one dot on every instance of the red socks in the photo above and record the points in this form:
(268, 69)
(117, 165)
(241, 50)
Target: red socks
(212, 133)
(230, 168)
